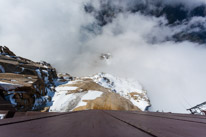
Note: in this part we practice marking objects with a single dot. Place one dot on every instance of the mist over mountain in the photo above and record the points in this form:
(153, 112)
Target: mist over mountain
(177, 15)
(160, 43)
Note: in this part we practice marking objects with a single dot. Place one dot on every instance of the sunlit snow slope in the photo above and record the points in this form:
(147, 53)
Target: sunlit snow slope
(101, 91)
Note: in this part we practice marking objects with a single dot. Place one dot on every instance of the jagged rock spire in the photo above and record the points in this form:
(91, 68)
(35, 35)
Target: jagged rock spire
(6, 51)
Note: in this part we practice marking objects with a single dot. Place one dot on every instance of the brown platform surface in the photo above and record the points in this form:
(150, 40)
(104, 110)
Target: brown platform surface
(99, 123)
(5, 105)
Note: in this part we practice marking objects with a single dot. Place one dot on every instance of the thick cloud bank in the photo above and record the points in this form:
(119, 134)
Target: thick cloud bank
(159, 43)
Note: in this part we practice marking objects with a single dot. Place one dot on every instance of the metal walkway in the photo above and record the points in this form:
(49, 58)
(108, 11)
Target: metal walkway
(99, 123)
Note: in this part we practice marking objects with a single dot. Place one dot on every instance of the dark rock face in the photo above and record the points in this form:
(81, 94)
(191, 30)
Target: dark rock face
(64, 77)
(26, 84)
(5, 105)
(5, 51)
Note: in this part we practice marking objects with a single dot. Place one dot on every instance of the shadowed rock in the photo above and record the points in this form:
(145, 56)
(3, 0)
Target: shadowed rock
(25, 83)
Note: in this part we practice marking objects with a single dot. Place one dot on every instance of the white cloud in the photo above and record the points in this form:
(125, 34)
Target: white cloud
(44, 28)
(173, 73)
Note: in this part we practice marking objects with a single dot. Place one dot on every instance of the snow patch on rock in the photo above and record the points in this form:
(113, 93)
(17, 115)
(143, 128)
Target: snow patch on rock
(64, 101)
(65, 88)
(2, 116)
(127, 88)
(2, 69)
(90, 95)
(8, 86)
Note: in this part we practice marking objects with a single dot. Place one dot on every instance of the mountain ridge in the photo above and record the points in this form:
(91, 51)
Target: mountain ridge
(36, 86)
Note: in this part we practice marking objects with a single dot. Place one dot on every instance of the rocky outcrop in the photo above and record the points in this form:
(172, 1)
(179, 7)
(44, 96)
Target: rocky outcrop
(6, 51)
(101, 91)
(108, 101)
(127, 88)
(26, 84)
(19, 65)
(64, 77)
(5, 105)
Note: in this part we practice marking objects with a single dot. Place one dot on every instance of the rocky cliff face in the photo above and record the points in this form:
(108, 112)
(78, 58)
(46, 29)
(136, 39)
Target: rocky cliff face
(26, 84)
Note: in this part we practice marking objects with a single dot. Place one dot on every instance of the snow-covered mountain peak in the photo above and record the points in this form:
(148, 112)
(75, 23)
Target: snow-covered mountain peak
(117, 84)
(100, 91)
(127, 88)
